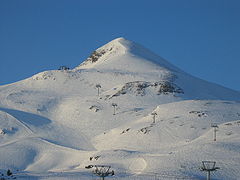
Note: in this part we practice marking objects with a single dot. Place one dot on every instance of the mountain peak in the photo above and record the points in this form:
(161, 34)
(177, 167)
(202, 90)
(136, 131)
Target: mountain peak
(118, 39)
(120, 44)
(116, 47)
(124, 54)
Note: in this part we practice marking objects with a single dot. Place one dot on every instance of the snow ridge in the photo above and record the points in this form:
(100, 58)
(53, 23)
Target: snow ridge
(124, 49)
(114, 48)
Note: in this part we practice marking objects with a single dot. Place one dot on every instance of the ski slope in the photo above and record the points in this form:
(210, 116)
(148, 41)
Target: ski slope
(53, 124)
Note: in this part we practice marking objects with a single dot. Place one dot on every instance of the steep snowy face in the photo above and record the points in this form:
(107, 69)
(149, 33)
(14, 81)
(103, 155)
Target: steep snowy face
(124, 54)
(111, 49)
(124, 61)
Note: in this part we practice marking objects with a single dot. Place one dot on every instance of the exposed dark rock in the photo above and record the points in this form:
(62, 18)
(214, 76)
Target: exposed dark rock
(139, 88)
(199, 113)
(95, 56)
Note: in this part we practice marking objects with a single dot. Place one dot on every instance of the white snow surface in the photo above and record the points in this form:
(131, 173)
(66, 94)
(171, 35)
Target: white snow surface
(54, 124)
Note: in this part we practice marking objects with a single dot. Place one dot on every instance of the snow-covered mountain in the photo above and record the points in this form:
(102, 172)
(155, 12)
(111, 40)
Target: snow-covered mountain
(56, 121)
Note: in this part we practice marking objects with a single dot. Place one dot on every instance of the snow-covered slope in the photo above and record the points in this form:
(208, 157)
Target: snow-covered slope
(56, 121)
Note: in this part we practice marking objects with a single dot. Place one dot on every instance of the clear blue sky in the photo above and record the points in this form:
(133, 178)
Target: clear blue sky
(202, 37)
